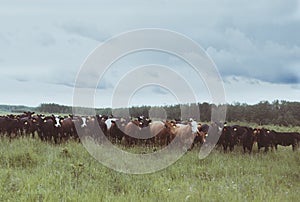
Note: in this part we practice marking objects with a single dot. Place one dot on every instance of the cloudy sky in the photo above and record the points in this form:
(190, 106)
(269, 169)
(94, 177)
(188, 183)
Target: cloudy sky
(255, 46)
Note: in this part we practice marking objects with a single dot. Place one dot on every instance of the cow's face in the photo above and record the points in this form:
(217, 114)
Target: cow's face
(34, 121)
(227, 131)
(144, 122)
(56, 121)
(202, 136)
(170, 127)
(194, 126)
(235, 131)
(256, 132)
(83, 122)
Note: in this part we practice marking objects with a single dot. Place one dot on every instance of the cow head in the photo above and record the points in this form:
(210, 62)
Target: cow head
(194, 125)
(83, 122)
(56, 119)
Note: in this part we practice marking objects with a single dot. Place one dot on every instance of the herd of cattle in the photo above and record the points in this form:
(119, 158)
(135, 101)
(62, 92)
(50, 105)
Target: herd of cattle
(142, 131)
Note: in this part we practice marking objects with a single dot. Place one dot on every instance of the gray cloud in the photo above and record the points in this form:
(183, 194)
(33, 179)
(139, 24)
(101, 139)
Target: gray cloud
(159, 90)
(4, 40)
(267, 61)
(46, 39)
(251, 43)
(84, 30)
(22, 79)
(104, 84)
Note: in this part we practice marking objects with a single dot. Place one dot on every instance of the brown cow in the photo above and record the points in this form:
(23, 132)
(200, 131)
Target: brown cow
(185, 134)
(132, 129)
(138, 130)
(67, 128)
(163, 132)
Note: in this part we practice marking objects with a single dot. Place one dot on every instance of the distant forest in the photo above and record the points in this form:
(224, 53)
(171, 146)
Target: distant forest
(278, 112)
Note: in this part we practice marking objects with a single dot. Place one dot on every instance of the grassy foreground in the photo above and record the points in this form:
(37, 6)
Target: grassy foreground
(31, 170)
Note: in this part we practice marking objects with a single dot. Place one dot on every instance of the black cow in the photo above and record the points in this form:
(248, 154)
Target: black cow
(31, 125)
(264, 138)
(116, 134)
(67, 128)
(227, 138)
(285, 139)
(101, 122)
(2, 125)
(245, 136)
(11, 125)
(49, 128)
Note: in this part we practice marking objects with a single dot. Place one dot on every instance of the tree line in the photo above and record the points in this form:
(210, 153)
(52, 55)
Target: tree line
(282, 112)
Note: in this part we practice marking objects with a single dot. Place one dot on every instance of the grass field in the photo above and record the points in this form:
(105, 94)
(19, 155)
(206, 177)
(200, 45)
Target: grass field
(31, 170)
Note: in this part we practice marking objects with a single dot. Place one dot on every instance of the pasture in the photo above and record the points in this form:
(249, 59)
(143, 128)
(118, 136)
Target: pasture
(31, 170)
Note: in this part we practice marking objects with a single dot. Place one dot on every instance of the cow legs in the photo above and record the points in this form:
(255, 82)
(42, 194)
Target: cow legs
(266, 149)
(225, 148)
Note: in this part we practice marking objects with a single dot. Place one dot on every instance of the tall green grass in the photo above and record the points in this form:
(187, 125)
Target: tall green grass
(31, 170)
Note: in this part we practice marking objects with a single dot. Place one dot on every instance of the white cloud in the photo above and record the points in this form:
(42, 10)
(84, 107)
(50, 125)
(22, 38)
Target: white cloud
(245, 90)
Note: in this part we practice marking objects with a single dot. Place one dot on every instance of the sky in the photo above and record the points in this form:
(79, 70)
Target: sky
(43, 44)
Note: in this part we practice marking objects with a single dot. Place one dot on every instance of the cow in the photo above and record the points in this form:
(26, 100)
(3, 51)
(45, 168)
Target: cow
(115, 132)
(185, 134)
(2, 125)
(67, 128)
(49, 128)
(244, 136)
(85, 126)
(227, 138)
(264, 138)
(285, 139)
(137, 130)
(201, 135)
(132, 129)
(31, 126)
(212, 134)
(23, 120)
(162, 132)
(11, 125)
(101, 122)
(203, 128)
